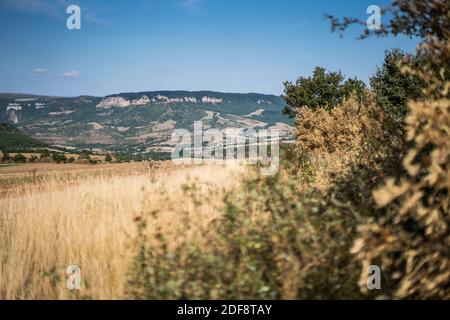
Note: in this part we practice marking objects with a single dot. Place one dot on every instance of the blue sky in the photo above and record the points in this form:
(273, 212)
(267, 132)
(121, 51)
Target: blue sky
(140, 45)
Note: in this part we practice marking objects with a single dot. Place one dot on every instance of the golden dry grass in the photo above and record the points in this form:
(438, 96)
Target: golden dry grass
(88, 220)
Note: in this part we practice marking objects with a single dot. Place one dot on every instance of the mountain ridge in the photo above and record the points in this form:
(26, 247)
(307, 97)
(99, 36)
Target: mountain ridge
(138, 122)
(31, 95)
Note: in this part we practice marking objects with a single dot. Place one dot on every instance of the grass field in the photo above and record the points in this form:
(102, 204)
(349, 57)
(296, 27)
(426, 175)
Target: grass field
(53, 216)
(6, 165)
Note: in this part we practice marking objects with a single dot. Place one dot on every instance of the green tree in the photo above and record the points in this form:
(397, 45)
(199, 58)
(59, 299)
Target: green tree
(20, 158)
(33, 158)
(108, 158)
(85, 154)
(6, 157)
(58, 158)
(45, 154)
(393, 88)
(322, 89)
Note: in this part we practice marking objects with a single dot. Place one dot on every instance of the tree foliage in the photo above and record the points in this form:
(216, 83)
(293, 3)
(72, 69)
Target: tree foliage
(322, 89)
(20, 158)
(59, 157)
(6, 157)
(393, 89)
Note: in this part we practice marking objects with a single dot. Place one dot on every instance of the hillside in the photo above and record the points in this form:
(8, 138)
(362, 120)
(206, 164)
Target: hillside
(139, 122)
(12, 139)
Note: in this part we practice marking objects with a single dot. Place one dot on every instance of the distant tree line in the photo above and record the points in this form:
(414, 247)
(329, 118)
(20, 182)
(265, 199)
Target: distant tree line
(84, 156)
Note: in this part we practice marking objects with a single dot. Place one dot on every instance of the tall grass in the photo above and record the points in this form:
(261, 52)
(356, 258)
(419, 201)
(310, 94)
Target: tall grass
(90, 221)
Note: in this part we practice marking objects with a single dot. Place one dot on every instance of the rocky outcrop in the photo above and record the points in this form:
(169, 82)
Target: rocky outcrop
(110, 102)
(12, 111)
(121, 102)
(144, 100)
(14, 106)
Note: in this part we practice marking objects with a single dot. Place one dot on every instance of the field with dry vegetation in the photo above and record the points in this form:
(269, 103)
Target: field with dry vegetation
(86, 216)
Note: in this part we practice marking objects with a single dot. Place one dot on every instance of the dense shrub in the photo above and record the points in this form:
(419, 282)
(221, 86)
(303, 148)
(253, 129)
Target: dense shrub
(272, 241)
(410, 240)
(6, 157)
(20, 158)
(58, 158)
(45, 154)
(85, 154)
(345, 138)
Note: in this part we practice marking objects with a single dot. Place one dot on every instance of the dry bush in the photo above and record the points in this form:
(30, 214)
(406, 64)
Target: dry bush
(412, 240)
(338, 140)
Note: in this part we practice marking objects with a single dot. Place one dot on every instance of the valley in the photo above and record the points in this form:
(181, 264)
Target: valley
(138, 123)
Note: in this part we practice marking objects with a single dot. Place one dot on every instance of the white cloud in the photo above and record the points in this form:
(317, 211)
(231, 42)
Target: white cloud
(73, 73)
(40, 71)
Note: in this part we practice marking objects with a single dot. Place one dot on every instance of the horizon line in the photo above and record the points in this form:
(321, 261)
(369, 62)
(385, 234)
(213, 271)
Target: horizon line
(131, 92)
